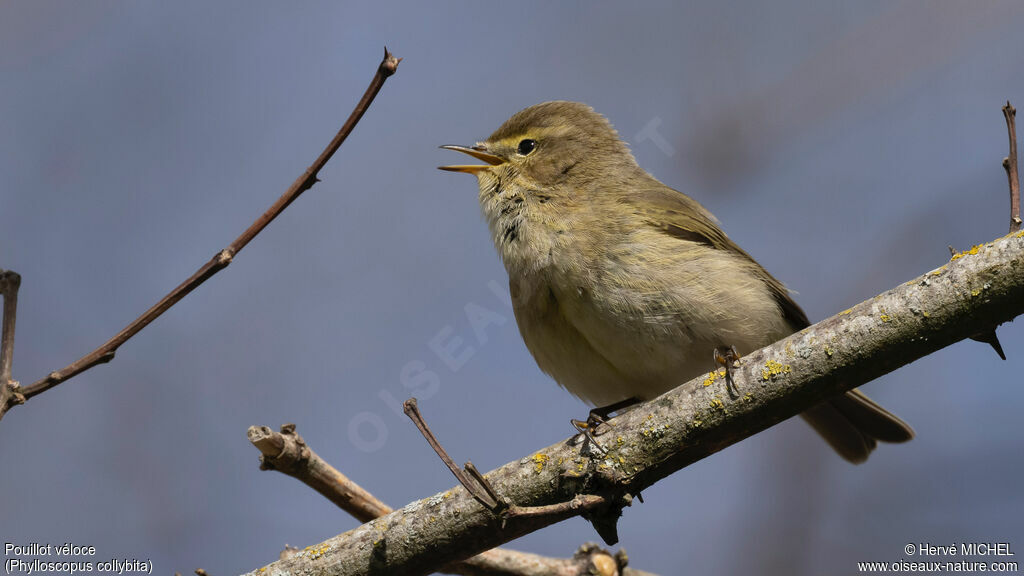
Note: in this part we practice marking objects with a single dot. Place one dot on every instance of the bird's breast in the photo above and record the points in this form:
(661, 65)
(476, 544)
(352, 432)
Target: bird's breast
(524, 230)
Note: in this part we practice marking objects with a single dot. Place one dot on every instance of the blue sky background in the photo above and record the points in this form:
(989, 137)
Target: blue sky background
(844, 144)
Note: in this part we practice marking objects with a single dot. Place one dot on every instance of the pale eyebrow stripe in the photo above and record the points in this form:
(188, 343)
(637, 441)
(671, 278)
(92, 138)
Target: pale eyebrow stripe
(513, 141)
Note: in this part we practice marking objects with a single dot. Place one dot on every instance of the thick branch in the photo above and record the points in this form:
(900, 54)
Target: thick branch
(105, 353)
(288, 453)
(977, 290)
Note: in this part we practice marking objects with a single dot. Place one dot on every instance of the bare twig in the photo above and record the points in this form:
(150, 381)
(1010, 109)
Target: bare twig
(222, 259)
(9, 391)
(9, 283)
(481, 489)
(476, 485)
(288, 453)
(1010, 164)
(579, 504)
(488, 489)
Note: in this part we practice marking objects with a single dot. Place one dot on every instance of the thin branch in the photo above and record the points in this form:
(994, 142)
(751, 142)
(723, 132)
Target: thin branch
(288, 453)
(9, 391)
(980, 289)
(479, 478)
(1010, 164)
(476, 485)
(580, 504)
(9, 283)
(222, 259)
(483, 492)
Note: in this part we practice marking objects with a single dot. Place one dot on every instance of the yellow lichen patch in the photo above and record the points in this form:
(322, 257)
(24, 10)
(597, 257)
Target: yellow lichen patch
(1020, 234)
(828, 350)
(697, 423)
(845, 312)
(314, 552)
(748, 397)
(620, 440)
(710, 378)
(773, 370)
(883, 315)
(716, 404)
(975, 293)
(974, 250)
(655, 431)
(539, 460)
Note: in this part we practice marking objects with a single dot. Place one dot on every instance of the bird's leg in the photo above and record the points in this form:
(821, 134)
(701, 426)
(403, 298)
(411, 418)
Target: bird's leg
(589, 427)
(601, 414)
(728, 357)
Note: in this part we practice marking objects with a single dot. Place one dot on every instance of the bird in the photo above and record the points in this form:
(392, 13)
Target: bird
(623, 287)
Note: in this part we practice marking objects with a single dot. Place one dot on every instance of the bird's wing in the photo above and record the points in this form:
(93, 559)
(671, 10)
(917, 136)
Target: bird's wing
(851, 423)
(679, 216)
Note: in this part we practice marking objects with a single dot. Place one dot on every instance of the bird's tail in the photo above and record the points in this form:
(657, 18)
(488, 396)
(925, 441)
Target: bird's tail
(853, 424)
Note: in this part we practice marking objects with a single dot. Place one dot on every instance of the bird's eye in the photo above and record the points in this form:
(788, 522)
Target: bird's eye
(526, 146)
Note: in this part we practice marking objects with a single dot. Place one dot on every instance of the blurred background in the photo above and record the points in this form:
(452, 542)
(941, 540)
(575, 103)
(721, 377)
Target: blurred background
(844, 144)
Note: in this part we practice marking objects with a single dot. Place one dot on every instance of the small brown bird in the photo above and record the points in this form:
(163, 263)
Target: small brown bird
(624, 288)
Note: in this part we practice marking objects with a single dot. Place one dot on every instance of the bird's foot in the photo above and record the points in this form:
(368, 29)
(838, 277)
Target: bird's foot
(729, 358)
(592, 426)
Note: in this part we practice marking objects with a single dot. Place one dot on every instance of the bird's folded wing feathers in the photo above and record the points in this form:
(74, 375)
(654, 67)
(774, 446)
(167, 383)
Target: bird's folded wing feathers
(682, 217)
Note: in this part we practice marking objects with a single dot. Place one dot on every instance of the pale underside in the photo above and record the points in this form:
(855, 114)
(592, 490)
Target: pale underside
(647, 325)
(636, 318)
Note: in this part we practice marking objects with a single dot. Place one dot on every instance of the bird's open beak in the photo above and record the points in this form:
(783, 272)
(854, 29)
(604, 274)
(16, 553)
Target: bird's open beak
(476, 152)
